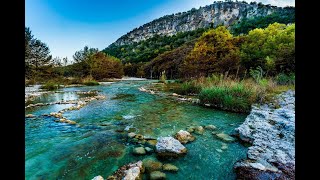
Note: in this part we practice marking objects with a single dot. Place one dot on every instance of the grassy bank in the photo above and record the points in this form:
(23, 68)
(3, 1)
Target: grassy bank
(56, 83)
(234, 94)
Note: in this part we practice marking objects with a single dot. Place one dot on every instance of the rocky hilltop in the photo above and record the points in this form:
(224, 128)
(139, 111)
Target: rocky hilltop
(218, 13)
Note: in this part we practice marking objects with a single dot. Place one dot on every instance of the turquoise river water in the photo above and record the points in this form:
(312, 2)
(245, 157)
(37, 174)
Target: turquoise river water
(97, 145)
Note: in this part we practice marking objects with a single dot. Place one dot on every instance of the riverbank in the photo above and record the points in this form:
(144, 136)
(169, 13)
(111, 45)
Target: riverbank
(270, 128)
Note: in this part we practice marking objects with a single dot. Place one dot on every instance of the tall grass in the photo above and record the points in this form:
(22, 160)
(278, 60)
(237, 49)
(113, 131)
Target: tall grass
(232, 94)
(50, 86)
(89, 81)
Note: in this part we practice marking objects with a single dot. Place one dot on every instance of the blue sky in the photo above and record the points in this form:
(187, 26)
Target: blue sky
(68, 25)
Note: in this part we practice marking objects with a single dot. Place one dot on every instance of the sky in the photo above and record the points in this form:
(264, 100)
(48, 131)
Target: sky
(66, 26)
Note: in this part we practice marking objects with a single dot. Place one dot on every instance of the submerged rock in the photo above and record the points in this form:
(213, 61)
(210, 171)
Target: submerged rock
(148, 150)
(139, 136)
(224, 146)
(30, 116)
(170, 167)
(157, 175)
(132, 171)
(98, 178)
(151, 164)
(131, 135)
(210, 127)
(184, 137)
(139, 151)
(169, 147)
(190, 129)
(199, 130)
(151, 143)
(225, 137)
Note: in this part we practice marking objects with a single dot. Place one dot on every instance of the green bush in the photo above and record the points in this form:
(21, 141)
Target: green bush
(235, 98)
(284, 79)
(91, 83)
(50, 85)
(188, 88)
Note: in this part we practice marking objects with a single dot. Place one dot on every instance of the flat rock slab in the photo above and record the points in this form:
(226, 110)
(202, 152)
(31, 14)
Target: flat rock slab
(270, 128)
(170, 147)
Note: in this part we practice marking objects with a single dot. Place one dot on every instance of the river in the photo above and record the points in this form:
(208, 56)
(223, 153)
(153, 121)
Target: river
(97, 145)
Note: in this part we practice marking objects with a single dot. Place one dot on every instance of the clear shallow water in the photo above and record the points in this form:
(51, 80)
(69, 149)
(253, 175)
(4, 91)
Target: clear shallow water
(97, 144)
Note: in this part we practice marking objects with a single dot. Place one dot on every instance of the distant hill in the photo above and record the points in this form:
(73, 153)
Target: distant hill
(218, 13)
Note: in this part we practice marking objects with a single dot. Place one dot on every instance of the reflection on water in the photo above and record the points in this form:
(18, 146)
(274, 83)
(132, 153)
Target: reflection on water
(98, 146)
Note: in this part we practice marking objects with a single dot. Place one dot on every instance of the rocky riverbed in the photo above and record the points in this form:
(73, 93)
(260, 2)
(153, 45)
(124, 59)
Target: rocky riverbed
(270, 128)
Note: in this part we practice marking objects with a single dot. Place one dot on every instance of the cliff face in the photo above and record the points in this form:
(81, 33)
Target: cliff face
(220, 13)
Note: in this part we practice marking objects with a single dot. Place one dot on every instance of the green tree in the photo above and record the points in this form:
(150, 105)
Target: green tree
(105, 66)
(272, 48)
(216, 51)
(37, 55)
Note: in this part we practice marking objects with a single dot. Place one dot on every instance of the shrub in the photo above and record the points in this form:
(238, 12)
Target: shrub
(235, 98)
(89, 81)
(188, 88)
(50, 85)
(284, 79)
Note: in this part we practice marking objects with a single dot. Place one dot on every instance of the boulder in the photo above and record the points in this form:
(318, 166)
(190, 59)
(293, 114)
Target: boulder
(199, 130)
(169, 147)
(139, 151)
(157, 175)
(132, 171)
(184, 137)
(170, 167)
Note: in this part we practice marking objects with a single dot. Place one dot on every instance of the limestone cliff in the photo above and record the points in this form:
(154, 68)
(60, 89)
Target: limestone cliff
(218, 13)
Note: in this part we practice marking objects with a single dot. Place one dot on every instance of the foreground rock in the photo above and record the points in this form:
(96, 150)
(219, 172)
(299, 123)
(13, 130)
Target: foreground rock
(169, 147)
(98, 178)
(184, 137)
(132, 171)
(157, 175)
(270, 129)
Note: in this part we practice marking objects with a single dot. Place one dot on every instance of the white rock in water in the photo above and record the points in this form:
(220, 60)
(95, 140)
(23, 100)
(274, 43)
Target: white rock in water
(134, 171)
(169, 146)
(98, 178)
(184, 137)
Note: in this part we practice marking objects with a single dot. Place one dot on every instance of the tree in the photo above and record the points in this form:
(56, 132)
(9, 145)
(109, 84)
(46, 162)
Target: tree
(37, 54)
(65, 61)
(56, 62)
(216, 51)
(84, 57)
(272, 48)
(105, 66)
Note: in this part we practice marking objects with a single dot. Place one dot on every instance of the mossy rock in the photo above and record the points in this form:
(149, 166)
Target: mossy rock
(151, 164)
(157, 175)
(170, 167)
